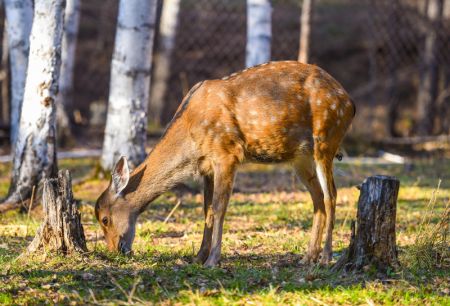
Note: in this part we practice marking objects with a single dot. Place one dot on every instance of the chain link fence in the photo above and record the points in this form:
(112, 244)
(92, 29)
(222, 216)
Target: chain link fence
(375, 48)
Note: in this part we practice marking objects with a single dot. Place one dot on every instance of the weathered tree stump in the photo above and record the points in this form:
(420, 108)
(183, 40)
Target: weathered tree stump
(61, 230)
(373, 243)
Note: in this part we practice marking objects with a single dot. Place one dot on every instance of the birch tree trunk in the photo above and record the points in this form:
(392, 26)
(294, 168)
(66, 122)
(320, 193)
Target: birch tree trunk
(69, 42)
(167, 30)
(305, 30)
(428, 87)
(259, 32)
(126, 125)
(34, 154)
(19, 15)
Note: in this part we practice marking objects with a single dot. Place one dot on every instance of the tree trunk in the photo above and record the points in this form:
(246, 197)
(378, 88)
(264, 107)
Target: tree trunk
(126, 124)
(428, 87)
(374, 241)
(64, 97)
(167, 30)
(4, 66)
(19, 16)
(34, 153)
(259, 32)
(305, 30)
(61, 230)
(393, 60)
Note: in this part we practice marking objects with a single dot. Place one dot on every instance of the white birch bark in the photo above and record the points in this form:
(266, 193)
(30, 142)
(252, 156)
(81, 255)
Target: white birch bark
(167, 32)
(35, 155)
(259, 32)
(19, 16)
(126, 125)
(69, 42)
(305, 30)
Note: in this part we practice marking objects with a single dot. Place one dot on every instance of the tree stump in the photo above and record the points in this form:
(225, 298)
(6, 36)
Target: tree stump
(373, 242)
(61, 230)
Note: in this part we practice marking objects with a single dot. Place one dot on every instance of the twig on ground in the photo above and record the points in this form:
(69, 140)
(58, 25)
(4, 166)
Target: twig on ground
(172, 211)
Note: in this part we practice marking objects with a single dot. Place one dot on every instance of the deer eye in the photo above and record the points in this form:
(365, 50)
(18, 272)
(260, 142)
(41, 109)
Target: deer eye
(105, 221)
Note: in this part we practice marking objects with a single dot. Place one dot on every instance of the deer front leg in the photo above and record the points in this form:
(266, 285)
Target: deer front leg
(223, 185)
(205, 248)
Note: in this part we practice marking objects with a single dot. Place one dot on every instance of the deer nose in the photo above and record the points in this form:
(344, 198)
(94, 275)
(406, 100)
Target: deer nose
(123, 248)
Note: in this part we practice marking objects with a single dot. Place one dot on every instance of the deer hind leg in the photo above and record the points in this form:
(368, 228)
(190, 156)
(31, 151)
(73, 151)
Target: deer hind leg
(223, 186)
(205, 248)
(306, 171)
(324, 169)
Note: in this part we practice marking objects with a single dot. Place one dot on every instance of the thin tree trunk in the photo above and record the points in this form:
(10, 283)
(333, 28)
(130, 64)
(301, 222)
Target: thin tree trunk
(5, 77)
(35, 154)
(19, 16)
(305, 30)
(393, 60)
(126, 125)
(259, 32)
(167, 30)
(69, 42)
(426, 100)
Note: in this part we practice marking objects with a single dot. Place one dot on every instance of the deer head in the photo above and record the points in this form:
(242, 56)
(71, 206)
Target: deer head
(116, 216)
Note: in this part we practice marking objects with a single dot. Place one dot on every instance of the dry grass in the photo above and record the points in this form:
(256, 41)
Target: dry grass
(431, 248)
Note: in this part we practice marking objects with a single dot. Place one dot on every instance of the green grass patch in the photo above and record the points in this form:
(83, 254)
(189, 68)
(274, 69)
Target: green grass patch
(266, 234)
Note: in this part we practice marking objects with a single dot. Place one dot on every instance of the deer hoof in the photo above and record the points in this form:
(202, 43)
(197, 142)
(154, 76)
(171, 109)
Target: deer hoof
(211, 263)
(325, 258)
(201, 257)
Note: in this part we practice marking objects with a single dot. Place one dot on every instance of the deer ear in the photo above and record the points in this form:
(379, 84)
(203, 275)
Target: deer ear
(120, 176)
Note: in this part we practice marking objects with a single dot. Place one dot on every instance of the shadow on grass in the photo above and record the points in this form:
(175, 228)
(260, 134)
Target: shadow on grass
(165, 275)
(165, 278)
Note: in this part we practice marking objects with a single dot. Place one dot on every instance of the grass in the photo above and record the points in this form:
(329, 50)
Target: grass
(266, 233)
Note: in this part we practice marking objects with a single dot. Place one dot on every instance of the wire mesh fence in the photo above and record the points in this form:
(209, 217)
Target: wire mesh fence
(376, 49)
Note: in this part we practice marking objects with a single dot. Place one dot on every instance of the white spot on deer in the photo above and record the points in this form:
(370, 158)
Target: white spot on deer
(299, 97)
(340, 91)
(318, 102)
(233, 74)
(253, 113)
(219, 125)
(341, 112)
(333, 106)
(316, 82)
(329, 95)
(205, 122)
(226, 78)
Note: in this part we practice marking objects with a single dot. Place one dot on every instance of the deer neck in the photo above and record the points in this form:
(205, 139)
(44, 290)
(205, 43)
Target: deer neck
(171, 162)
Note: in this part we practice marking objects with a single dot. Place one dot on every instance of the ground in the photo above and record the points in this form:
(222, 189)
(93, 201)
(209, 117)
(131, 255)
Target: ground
(266, 233)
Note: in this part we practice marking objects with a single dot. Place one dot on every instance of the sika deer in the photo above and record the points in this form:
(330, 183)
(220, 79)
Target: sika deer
(275, 112)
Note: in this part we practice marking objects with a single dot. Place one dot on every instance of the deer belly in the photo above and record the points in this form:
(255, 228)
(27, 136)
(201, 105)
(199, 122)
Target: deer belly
(272, 148)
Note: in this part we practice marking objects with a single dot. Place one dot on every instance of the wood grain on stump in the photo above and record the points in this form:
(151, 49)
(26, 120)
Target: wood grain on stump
(373, 242)
(61, 230)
